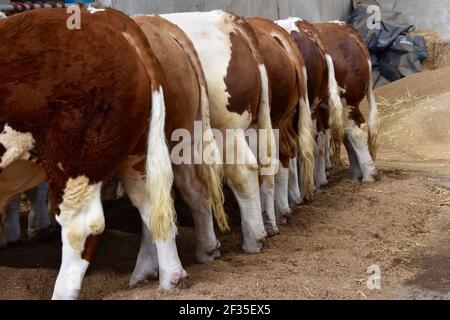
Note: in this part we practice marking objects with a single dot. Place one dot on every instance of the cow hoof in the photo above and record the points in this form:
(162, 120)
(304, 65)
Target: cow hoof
(324, 183)
(254, 246)
(271, 229)
(284, 216)
(142, 277)
(284, 220)
(368, 180)
(208, 255)
(174, 281)
(296, 202)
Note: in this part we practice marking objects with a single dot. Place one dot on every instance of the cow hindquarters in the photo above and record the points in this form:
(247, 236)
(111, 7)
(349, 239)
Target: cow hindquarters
(82, 222)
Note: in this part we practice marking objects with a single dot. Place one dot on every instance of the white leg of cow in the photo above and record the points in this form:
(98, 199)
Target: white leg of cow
(328, 164)
(322, 160)
(196, 196)
(282, 208)
(299, 160)
(317, 165)
(82, 220)
(38, 219)
(171, 272)
(147, 261)
(355, 170)
(243, 181)
(12, 222)
(267, 194)
(356, 143)
(295, 197)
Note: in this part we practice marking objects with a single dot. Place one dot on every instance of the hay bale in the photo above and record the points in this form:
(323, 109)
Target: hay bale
(442, 58)
(438, 49)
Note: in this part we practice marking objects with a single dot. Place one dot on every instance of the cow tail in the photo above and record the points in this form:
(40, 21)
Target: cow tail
(373, 121)
(336, 110)
(306, 142)
(159, 171)
(213, 166)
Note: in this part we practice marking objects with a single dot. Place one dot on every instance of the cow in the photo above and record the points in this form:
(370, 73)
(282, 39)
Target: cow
(353, 70)
(238, 92)
(186, 100)
(322, 92)
(288, 85)
(74, 105)
(38, 218)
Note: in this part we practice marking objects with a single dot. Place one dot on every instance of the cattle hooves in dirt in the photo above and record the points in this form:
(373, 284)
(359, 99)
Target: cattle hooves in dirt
(255, 247)
(206, 256)
(272, 230)
(177, 281)
(140, 278)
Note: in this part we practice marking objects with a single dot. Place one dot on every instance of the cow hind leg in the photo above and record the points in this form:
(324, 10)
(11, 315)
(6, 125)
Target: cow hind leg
(242, 178)
(38, 219)
(323, 161)
(147, 262)
(355, 170)
(295, 197)
(82, 222)
(190, 182)
(267, 195)
(164, 258)
(282, 209)
(328, 164)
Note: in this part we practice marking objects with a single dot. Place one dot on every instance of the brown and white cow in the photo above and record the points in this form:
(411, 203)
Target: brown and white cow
(74, 104)
(353, 70)
(38, 219)
(288, 84)
(186, 100)
(322, 92)
(239, 96)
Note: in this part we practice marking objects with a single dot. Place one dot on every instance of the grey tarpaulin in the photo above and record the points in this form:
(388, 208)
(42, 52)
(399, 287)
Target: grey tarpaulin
(395, 53)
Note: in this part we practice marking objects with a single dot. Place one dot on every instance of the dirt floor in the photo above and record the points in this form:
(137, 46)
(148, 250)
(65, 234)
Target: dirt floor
(401, 223)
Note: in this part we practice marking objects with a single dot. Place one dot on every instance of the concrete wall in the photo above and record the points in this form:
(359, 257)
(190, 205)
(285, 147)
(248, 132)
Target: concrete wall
(424, 14)
(313, 10)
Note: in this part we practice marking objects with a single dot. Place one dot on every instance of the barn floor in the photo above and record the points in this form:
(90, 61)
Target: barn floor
(401, 223)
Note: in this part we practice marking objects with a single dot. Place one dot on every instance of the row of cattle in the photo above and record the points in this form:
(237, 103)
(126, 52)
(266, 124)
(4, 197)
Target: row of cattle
(77, 106)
